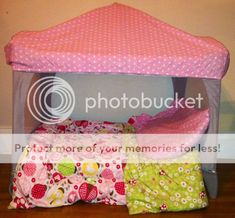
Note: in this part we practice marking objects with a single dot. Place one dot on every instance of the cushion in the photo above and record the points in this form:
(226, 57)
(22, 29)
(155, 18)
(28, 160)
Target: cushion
(47, 183)
(185, 124)
(154, 188)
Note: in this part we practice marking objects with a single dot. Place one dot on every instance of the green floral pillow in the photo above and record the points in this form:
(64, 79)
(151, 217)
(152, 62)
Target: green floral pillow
(158, 187)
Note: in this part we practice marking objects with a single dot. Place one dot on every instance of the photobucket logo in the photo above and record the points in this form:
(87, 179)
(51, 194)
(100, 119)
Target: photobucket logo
(144, 102)
(39, 104)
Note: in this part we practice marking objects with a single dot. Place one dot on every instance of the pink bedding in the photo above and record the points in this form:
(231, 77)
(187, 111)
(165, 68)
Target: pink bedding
(184, 124)
(117, 39)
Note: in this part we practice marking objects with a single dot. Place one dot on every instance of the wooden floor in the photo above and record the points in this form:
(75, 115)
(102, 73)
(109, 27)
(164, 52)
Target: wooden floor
(223, 206)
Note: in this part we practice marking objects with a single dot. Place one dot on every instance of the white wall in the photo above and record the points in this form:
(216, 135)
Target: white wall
(114, 86)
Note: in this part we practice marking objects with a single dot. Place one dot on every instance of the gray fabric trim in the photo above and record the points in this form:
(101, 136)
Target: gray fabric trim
(213, 88)
(179, 85)
(21, 83)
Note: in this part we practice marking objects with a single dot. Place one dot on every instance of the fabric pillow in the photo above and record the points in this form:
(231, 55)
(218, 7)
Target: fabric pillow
(177, 121)
(154, 188)
(185, 124)
(172, 120)
(69, 179)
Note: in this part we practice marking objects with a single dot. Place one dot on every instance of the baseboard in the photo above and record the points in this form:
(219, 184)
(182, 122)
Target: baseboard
(5, 129)
(5, 158)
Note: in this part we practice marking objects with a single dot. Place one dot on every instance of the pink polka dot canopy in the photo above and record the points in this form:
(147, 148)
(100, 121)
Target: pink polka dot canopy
(117, 39)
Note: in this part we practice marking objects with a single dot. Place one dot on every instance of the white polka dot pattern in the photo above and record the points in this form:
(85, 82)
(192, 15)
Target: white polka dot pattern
(117, 39)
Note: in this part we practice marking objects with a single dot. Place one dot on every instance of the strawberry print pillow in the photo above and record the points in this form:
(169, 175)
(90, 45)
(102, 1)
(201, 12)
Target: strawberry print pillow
(52, 181)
